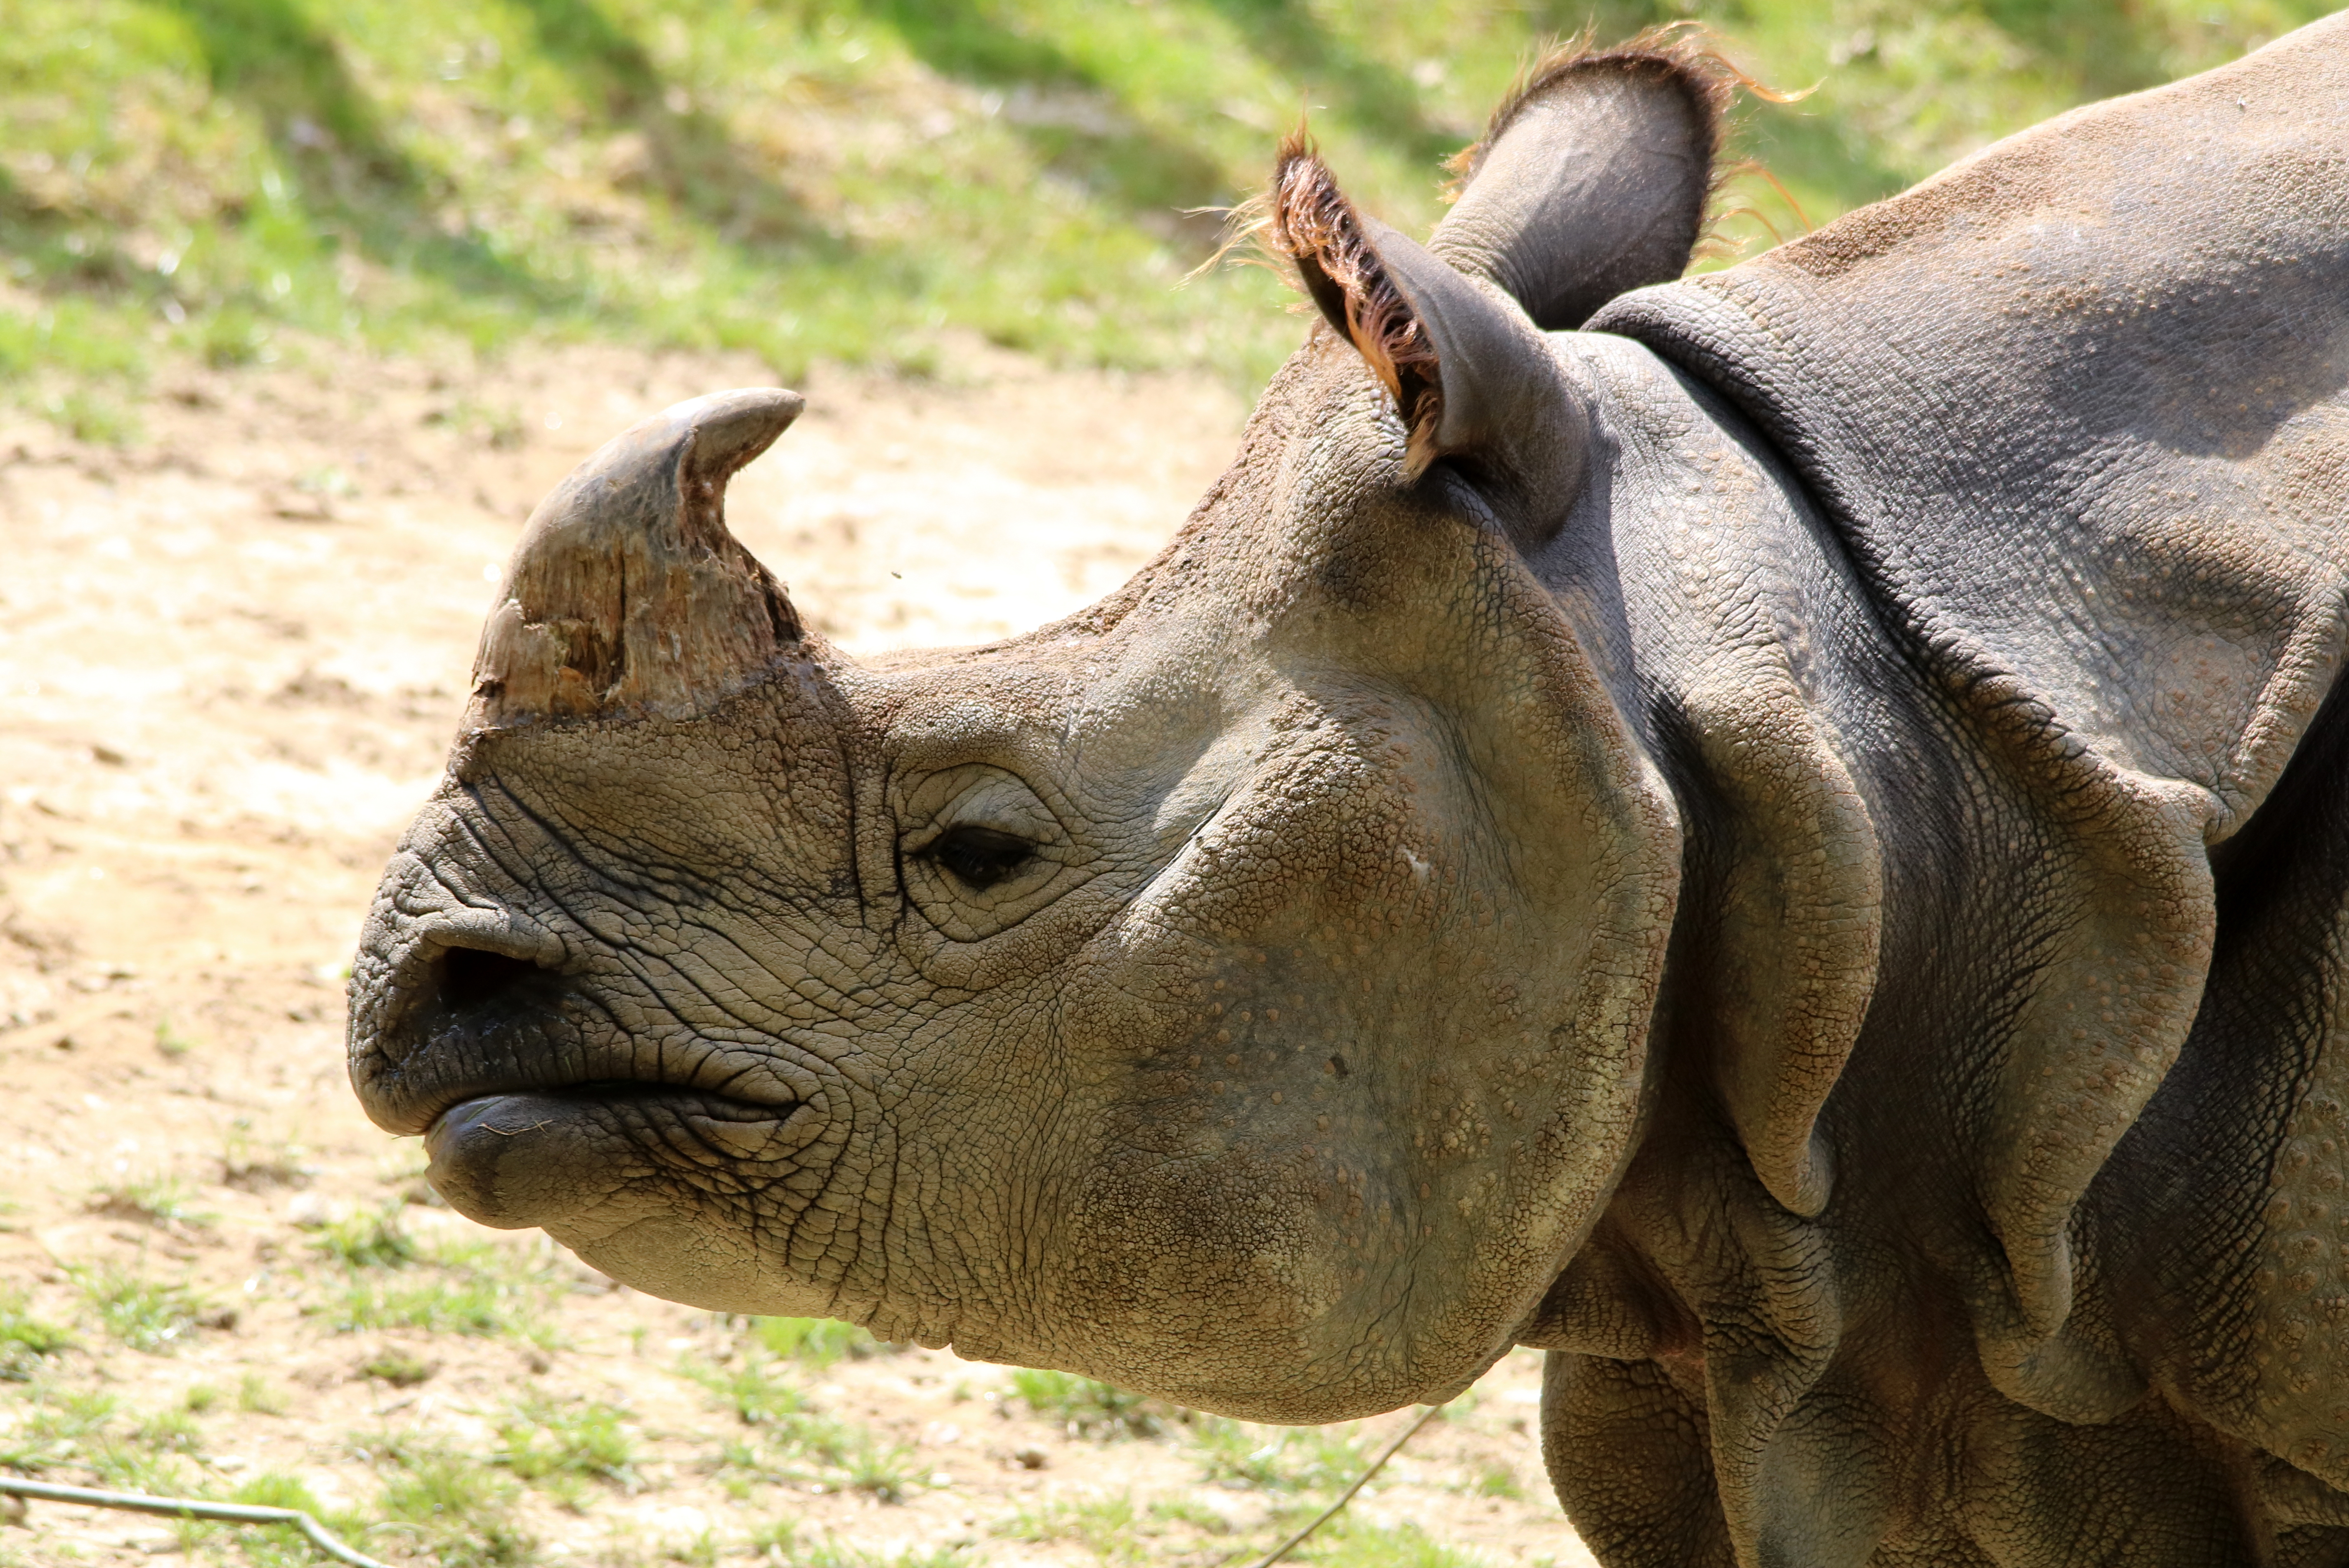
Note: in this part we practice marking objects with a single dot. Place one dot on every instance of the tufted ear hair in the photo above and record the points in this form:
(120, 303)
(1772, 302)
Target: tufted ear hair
(1476, 386)
(1594, 177)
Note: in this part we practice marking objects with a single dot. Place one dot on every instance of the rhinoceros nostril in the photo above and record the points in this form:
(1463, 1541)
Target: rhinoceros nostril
(469, 976)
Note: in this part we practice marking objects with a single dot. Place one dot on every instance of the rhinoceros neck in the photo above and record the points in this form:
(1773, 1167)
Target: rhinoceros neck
(1978, 582)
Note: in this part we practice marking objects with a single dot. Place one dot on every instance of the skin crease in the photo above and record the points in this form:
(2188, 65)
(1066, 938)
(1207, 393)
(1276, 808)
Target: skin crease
(1820, 906)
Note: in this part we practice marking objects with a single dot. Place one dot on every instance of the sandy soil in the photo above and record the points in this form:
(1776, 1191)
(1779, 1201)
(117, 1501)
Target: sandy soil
(230, 661)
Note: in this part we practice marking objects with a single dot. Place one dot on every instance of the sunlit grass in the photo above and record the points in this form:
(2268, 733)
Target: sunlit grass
(542, 1439)
(144, 1314)
(255, 1162)
(815, 1342)
(795, 1441)
(476, 1288)
(1349, 1540)
(786, 1543)
(371, 1238)
(159, 1200)
(173, 1431)
(759, 1391)
(257, 1396)
(400, 1368)
(26, 1339)
(457, 1509)
(267, 1546)
(1114, 1528)
(855, 180)
(50, 1425)
(1086, 1407)
(1274, 1458)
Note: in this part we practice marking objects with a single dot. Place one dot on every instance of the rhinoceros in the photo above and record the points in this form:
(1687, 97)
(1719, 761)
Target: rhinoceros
(1782, 836)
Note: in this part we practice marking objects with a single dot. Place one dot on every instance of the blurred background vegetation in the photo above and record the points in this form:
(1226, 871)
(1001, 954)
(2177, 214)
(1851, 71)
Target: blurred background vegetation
(238, 181)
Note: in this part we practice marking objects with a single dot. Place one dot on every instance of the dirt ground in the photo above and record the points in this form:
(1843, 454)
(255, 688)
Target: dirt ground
(230, 659)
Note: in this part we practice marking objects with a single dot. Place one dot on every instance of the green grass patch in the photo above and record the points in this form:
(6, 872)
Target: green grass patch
(27, 1340)
(255, 1164)
(161, 1200)
(703, 1550)
(759, 1391)
(371, 1240)
(783, 1544)
(889, 1472)
(257, 1396)
(814, 1343)
(796, 1442)
(1495, 1479)
(168, 1431)
(452, 1508)
(1085, 1408)
(544, 1438)
(854, 179)
(1273, 1459)
(57, 1426)
(400, 1368)
(1197, 1516)
(146, 1314)
(130, 1466)
(1114, 1528)
(1350, 1541)
(476, 1288)
(275, 1545)
(809, 1446)
(151, 1452)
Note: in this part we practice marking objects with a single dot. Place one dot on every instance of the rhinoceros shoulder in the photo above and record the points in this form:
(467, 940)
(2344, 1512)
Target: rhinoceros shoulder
(2076, 407)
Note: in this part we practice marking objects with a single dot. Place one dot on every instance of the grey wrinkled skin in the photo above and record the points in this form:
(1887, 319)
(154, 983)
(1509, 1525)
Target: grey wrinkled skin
(1790, 847)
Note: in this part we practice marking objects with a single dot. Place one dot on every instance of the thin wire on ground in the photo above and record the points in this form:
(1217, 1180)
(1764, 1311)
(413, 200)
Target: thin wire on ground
(1331, 1513)
(320, 1536)
(332, 1545)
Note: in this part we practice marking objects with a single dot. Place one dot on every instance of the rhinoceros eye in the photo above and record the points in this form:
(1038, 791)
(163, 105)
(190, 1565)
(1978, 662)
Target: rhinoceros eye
(979, 857)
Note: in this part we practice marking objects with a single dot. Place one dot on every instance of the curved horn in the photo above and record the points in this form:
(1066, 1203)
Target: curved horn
(626, 594)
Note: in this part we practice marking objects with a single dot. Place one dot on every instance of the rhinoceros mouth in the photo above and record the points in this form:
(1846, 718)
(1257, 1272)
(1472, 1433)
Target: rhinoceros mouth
(535, 1157)
(462, 1025)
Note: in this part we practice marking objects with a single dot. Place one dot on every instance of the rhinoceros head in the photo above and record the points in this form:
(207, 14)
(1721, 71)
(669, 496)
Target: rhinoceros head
(1239, 990)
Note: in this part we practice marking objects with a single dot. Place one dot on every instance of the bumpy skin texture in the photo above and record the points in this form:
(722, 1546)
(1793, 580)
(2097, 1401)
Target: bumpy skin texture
(1790, 848)
(2072, 415)
(1329, 786)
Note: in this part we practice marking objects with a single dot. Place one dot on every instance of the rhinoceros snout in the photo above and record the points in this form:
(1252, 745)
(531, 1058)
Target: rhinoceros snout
(452, 1022)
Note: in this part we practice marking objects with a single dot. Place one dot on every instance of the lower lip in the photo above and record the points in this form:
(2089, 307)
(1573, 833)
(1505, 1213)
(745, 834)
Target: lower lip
(536, 1157)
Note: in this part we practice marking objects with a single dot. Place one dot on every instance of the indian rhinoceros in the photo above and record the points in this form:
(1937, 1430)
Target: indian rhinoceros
(1782, 836)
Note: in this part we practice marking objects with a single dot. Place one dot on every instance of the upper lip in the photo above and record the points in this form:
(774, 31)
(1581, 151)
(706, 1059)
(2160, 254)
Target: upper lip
(406, 1073)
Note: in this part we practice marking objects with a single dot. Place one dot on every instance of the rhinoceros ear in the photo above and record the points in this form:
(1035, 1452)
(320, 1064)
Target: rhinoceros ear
(1593, 179)
(626, 594)
(1473, 380)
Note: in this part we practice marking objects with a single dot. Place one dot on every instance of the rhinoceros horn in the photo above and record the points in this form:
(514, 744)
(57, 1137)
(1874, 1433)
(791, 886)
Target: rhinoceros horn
(626, 596)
